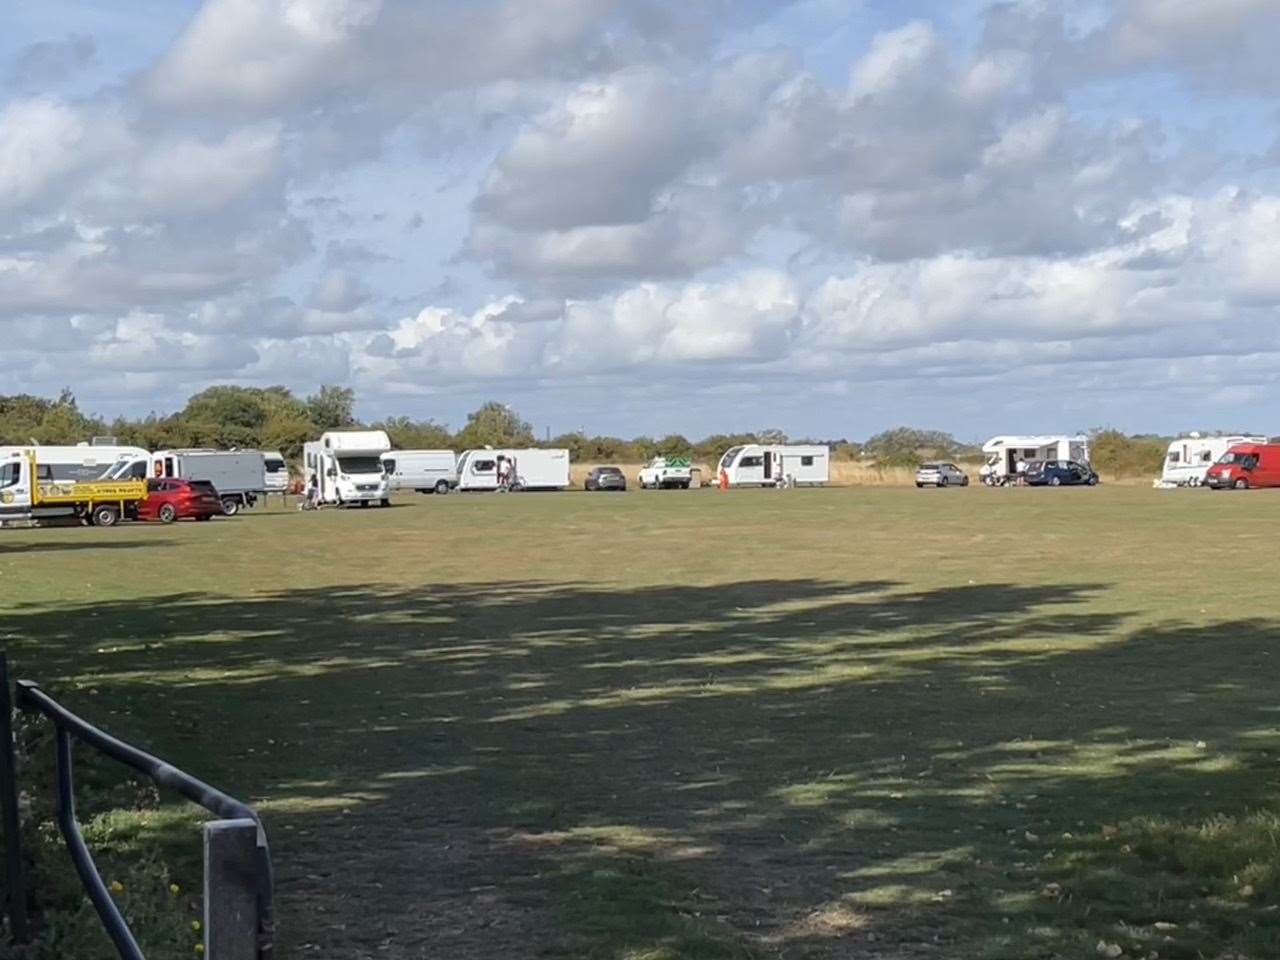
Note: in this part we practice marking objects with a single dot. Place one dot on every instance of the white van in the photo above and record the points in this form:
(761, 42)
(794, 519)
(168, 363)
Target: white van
(776, 465)
(533, 469)
(427, 471)
(347, 467)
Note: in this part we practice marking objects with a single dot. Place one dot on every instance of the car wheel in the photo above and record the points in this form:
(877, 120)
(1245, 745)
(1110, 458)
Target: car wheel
(1241, 484)
(919, 486)
(1055, 481)
(1093, 481)
(442, 487)
(167, 513)
(105, 515)
(230, 506)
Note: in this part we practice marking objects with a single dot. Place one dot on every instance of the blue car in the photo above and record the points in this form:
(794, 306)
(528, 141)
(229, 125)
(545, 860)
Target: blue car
(1060, 473)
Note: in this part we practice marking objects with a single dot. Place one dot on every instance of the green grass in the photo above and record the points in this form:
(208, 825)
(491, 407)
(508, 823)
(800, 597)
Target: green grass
(829, 723)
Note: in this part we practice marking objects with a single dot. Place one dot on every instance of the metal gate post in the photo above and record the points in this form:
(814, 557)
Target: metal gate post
(231, 879)
(15, 873)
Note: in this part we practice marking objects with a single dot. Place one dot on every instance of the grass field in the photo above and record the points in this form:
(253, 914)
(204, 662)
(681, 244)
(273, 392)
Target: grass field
(865, 723)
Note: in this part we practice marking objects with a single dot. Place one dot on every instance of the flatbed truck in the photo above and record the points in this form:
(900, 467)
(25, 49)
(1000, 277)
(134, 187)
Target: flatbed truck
(26, 495)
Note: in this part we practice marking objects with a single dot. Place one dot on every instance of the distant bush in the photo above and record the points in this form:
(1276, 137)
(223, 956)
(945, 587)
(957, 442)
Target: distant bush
(1118, 455)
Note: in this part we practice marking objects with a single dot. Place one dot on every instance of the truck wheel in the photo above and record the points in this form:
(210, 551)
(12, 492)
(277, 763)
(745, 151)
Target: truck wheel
(230, 506)
(167, 513)
(105, 515)
(442, 487)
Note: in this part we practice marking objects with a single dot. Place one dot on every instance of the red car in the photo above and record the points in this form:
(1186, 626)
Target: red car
(171, 499)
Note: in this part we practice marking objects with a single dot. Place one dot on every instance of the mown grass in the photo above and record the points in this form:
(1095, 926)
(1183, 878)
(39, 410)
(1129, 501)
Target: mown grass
(866, 722)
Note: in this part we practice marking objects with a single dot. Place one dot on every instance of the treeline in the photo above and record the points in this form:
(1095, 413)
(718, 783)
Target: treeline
(272, 418)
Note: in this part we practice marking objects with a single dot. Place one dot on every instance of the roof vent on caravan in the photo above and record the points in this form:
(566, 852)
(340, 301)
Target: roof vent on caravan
(104, 442)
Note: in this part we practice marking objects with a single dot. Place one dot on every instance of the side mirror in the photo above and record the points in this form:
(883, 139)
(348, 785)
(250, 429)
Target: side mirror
(331, 472)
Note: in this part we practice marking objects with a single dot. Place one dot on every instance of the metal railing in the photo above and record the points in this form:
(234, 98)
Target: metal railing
(239, 920)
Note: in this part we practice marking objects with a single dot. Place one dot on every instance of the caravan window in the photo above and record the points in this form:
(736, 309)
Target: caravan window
(1206, 456)
(483, 466)
(1173, 456)
(806, 461)
(728, 457)
(751, 462)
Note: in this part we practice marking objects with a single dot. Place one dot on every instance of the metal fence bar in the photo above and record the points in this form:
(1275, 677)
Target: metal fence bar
(259, 876)
(15, 871)
(108, 912)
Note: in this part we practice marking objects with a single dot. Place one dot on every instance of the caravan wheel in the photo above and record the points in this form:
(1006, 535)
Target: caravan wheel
(442, 487)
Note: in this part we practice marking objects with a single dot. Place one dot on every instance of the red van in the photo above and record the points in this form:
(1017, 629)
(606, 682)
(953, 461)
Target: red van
(1246, 465)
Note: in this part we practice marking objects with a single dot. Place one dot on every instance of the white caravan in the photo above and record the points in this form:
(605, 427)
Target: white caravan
(776, 465)
(85, 461)
(427, 471)
(275, 472)
(1189, 458)
(533, 469)
(347, 467)
(1004, 453)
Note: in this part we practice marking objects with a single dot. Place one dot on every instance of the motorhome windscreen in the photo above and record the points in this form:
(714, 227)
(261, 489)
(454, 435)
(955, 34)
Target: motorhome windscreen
(359, 465)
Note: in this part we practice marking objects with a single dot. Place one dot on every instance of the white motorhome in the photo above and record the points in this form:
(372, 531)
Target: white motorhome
(1189, 458)
(1004, 453)
(276, 472)
(239, 476)
(776, 465)
(347, 467)
(85, 461)
(529, 469)
(427, 471)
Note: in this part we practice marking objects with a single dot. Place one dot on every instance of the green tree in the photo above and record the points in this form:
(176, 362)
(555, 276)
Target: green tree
(409, 434)
(495, 425)
(332, 408)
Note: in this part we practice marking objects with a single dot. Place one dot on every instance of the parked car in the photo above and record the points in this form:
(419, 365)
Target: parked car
(941, 475)
(170, 498)
(1246, 465)
(605, 478)
(1059, 473)
(662, 473)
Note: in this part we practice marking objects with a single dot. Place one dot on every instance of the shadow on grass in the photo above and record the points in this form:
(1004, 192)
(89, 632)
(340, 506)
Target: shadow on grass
(771, 768)
(60, 546)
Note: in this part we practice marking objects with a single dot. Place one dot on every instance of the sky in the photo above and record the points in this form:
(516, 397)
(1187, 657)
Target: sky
(634, 217)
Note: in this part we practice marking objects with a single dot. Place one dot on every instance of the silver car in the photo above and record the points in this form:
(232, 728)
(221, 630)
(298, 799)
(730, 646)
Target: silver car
(941, 475)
